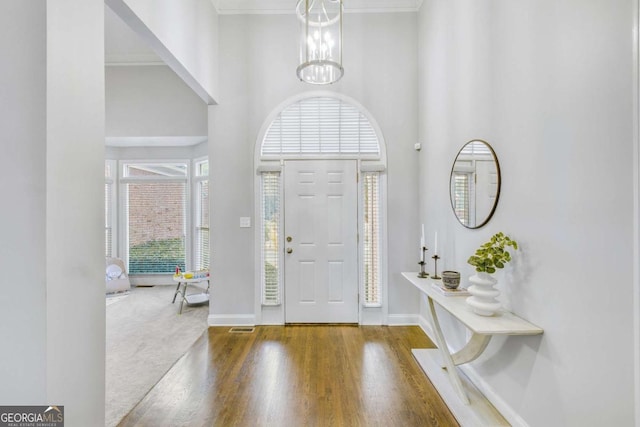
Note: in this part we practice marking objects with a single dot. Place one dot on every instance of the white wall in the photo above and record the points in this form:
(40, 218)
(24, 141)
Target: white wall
(183, 33)
(259, 54)
(52, 244)
(549, 85)
(23, 181)
(150, 101)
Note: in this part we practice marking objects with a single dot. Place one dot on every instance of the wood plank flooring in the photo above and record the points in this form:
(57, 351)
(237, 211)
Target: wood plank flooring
(297, 376)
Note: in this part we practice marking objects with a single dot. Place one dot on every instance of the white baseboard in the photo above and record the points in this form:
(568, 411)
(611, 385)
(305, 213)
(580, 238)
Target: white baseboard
(270, 315)
(402, 319)
(505, 409)
(371, 316)
(478, 412)
(426, 327)
(231, 320)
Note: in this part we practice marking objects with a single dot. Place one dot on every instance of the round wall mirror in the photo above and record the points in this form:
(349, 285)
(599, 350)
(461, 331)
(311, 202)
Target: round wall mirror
(474, 185)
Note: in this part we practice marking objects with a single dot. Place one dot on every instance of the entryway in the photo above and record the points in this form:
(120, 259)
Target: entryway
(321, 241)
(320, 213)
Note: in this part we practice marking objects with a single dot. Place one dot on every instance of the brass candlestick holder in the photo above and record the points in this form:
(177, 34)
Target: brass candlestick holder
(423, 274)
(435, 267)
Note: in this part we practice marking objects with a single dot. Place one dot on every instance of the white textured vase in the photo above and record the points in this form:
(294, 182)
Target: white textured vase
(483, 295)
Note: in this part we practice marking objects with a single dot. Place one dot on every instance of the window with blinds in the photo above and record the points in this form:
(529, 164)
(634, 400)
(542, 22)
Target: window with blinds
(270, 212)
(201, 232)
(476, 148)
(108, 208)
(320, 125)
(156, 211)
(461, 196)
(371, 238)
(108, 229)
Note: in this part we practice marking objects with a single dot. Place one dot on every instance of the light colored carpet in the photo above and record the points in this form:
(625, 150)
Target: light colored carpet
(114, 298)
(145, 337)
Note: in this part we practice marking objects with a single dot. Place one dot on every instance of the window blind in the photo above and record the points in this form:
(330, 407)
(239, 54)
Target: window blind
(270, 209)
(201, 253)
(108, 228)
(476, 148)
(320, 125)
(371, 238)
(461, 184)
(109, 167)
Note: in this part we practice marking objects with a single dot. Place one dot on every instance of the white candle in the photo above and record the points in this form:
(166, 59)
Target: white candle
(435, 246)
(422, 245)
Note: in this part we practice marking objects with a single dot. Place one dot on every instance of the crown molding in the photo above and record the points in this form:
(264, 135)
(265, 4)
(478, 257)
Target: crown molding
(269, 7)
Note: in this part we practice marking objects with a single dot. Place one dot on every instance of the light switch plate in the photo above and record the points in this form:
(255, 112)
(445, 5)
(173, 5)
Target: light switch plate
(245, 222)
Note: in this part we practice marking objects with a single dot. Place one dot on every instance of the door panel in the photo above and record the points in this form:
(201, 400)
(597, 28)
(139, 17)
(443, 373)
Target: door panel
(321, 272)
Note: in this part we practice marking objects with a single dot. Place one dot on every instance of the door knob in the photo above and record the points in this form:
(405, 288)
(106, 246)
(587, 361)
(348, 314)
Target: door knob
(289, 250)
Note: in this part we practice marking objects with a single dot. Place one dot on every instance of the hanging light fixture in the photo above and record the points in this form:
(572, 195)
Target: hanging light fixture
(320, 41)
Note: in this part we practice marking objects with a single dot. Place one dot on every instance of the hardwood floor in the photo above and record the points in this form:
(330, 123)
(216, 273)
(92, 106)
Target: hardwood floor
(297, 376)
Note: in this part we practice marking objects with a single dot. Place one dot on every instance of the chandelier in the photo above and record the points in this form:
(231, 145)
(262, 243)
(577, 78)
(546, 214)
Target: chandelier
(320, 41)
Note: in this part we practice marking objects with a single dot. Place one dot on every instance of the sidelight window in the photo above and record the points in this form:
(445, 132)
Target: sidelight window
(371, 238)
(270, 208)
(109, 207)
(201, 217)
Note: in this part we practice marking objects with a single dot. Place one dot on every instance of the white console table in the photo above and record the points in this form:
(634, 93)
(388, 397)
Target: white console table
(482, 329)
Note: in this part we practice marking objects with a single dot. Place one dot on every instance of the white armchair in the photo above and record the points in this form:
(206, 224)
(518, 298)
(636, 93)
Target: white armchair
(116, 277)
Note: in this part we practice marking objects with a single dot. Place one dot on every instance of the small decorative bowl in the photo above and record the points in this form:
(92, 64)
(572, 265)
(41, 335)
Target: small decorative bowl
(451, 279)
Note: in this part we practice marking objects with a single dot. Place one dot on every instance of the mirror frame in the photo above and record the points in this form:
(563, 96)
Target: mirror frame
(498, 186)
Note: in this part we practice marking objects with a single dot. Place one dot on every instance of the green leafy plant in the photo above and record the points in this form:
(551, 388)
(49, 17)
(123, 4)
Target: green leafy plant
(493, 255)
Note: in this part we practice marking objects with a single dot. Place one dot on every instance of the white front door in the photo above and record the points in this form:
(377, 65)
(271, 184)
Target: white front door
(321, 248)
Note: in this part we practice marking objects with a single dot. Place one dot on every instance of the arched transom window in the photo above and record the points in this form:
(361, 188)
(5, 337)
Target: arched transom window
(320, 125)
